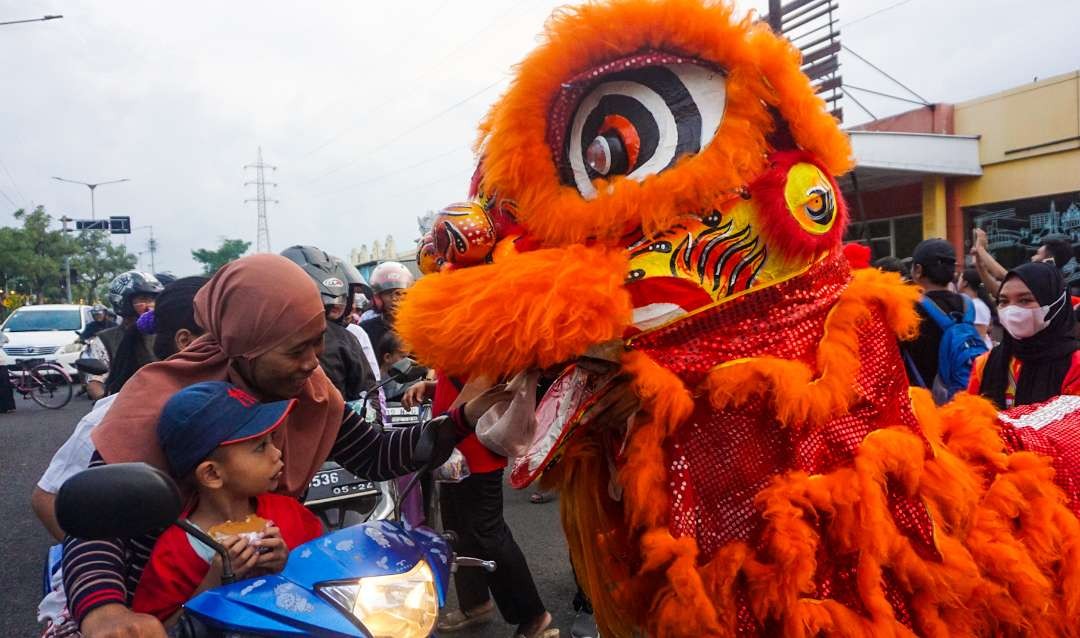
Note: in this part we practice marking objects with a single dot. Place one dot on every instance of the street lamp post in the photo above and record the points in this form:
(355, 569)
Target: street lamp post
(41, 19)
(64, 221)
(93, 211)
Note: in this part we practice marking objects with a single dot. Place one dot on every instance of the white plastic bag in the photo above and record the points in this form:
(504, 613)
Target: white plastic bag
(507, 428)
(455, 470)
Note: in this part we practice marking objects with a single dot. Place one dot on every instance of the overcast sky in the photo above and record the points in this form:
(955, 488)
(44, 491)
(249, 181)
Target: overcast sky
(367, 108)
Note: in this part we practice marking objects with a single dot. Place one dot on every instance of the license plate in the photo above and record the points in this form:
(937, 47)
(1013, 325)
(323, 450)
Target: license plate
(335, 484)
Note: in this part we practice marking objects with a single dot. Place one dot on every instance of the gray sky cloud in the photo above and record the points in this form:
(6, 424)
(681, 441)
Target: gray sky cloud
(368, 109)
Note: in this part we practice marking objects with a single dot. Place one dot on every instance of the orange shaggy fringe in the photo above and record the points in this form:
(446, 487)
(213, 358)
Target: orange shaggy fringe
(527, 310)
(1010, 544)
(762, 72)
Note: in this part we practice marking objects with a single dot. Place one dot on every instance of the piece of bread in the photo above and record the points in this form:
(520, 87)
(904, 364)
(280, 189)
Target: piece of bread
(251, 528)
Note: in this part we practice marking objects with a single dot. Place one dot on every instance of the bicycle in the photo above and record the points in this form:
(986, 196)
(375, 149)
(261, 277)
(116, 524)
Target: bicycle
(46, 383)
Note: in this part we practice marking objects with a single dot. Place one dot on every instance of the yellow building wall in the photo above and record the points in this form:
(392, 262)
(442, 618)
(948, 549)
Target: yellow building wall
(1034, 177)
(1029, 141)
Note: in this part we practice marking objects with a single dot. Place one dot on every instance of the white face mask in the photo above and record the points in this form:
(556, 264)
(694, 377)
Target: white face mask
(1023, 323)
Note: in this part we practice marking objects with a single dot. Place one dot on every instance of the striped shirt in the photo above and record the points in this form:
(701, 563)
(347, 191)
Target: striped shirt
(99, 572)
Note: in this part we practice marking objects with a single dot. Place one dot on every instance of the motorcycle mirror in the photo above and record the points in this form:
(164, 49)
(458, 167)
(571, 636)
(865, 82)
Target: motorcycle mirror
(120, 500)
(406, 370)
(91, 366)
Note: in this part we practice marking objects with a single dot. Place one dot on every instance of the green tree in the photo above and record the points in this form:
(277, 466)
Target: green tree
(229, 250)
(42, 253)
(98, 261)
(13, 256)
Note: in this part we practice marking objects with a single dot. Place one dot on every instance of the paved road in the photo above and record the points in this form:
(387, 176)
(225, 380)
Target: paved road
(28, 438)
(30, 435)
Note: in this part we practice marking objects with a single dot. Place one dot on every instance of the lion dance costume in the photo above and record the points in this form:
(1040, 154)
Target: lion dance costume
(660, 176)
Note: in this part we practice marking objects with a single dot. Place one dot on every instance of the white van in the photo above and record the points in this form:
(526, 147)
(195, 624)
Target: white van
(49, 332)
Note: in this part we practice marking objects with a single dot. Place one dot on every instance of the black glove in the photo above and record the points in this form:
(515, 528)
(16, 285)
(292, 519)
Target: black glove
(436, 443)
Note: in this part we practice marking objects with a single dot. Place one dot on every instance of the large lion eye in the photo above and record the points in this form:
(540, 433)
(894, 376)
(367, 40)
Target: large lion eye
(641, 121)
(810, 198)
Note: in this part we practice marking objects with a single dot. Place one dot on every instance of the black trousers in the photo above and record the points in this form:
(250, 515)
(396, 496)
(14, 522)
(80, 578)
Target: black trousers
(473, 509)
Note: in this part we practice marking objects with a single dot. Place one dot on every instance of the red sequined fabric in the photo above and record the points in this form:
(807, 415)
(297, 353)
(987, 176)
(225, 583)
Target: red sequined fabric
(783, 320)
(1051, 428)
(719, 460)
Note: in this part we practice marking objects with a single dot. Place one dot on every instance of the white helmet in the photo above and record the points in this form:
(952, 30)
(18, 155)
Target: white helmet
(390, 275)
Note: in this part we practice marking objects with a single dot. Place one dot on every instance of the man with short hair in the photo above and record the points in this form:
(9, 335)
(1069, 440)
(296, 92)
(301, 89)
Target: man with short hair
(933, 266)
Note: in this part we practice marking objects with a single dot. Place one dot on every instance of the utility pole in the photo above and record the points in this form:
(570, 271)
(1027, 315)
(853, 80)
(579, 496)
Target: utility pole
(151, 246)
(64, 221)
(262, 242)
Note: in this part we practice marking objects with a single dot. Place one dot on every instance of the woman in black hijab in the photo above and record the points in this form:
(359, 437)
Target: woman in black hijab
(1038, 357)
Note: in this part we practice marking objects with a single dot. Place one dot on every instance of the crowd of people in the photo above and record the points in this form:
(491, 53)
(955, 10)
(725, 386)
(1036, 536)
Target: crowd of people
(1009, 335)
(241, 386)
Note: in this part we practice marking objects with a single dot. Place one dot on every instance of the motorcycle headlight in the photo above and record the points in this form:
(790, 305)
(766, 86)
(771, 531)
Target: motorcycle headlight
(397, 606)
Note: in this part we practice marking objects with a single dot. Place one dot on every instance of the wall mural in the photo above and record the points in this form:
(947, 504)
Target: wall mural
(1015, 229)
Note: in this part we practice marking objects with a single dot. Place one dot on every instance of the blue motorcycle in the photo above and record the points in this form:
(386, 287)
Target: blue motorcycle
(379, 579)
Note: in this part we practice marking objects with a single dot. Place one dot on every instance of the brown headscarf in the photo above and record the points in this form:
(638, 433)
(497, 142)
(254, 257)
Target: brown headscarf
(249, 307)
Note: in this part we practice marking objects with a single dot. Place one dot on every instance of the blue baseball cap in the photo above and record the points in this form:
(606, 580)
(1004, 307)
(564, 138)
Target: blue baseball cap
(204, 416)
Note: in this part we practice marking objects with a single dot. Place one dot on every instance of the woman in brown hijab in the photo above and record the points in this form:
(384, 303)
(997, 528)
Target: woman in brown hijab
(264, 324)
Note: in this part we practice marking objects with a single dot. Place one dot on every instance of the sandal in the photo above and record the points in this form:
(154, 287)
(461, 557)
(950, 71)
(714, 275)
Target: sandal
(544, 631)
(538, 498)
(458, 619)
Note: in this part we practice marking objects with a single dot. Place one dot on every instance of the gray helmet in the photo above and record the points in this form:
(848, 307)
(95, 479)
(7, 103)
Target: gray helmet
(128, 285)
(352, 276)
(324, 270)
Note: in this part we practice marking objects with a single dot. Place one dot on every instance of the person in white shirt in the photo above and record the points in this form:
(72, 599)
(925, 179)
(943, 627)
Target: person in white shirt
(969, 283)
(174, 329)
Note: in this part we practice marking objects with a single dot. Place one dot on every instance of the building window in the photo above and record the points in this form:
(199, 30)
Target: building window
(893, 237)
(1015, 229)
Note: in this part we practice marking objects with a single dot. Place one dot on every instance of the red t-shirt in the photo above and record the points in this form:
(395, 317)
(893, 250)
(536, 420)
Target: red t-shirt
(175, 570)
(480, 459)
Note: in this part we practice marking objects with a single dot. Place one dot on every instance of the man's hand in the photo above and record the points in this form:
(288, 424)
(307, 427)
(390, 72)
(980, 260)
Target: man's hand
(978, 240)
(417, 394)
(117, 621)
(274, 552)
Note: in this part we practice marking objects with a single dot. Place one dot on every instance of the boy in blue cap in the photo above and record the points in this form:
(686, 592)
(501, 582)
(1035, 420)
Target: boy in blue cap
(216, 438)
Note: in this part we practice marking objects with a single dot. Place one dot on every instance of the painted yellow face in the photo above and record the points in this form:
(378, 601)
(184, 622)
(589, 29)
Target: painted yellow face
(700, 261)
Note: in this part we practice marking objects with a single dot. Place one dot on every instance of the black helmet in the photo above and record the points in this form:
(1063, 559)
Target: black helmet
(130, 284)
(165, 278)
(323, 268)
(356, 281)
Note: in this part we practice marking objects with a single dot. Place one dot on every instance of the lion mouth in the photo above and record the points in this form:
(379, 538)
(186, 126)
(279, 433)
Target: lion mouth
(696, 262)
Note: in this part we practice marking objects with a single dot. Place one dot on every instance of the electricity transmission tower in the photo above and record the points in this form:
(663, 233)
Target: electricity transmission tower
(262, 243)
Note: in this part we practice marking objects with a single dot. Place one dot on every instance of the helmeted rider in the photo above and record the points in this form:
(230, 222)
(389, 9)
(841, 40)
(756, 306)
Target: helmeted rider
(100, 321)
(342, 359)
(360, 293)
(389, 281)
(122, 347)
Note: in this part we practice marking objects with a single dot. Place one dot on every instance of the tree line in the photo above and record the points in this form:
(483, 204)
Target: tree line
(33, 253)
